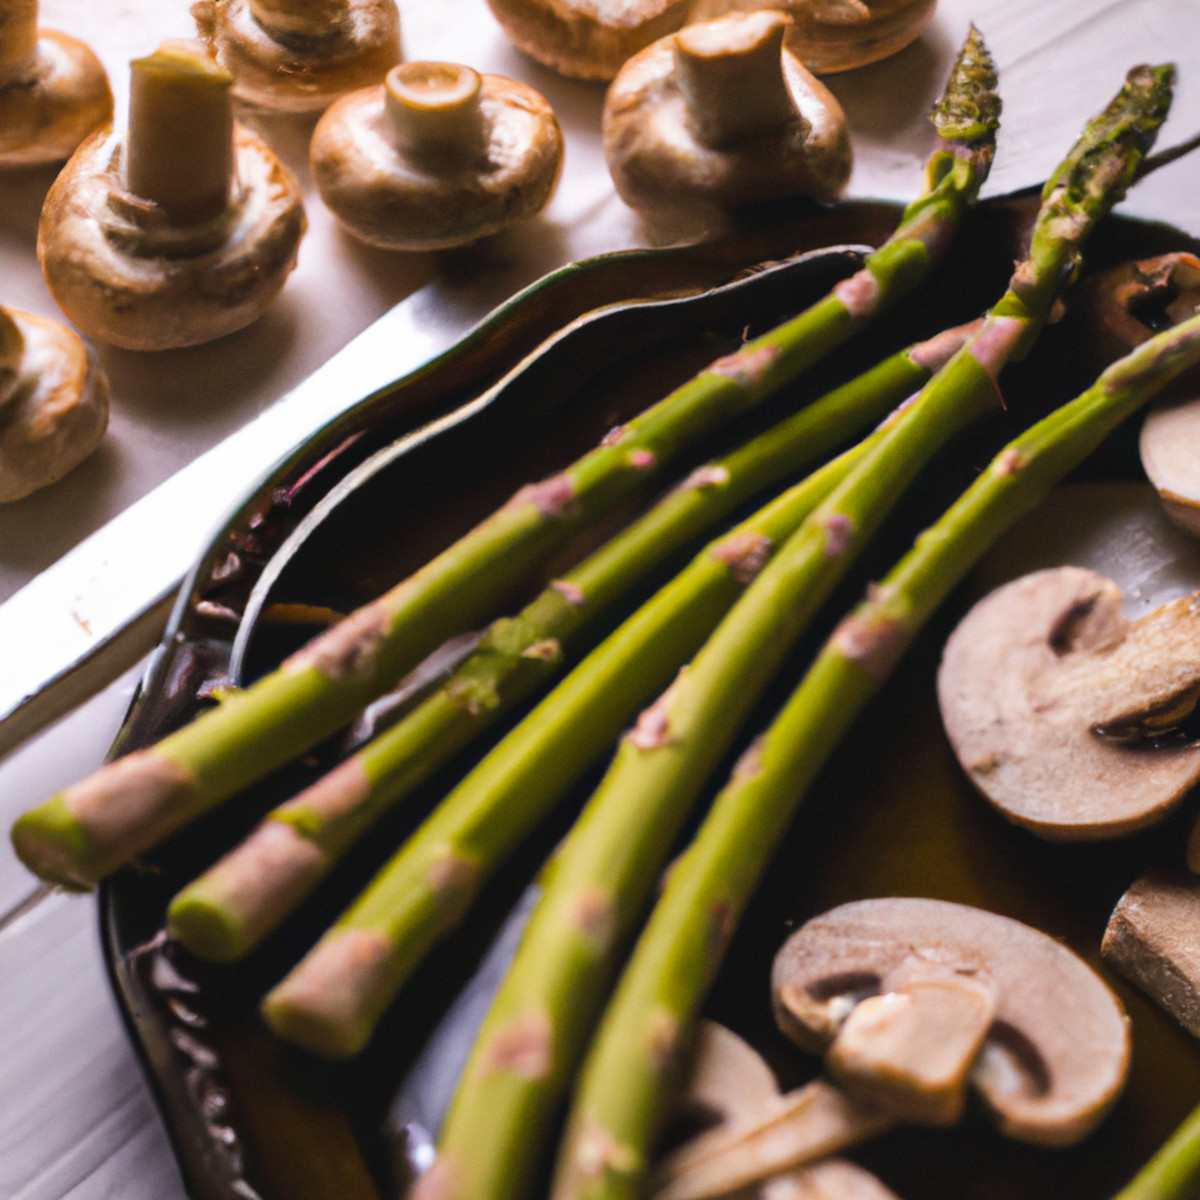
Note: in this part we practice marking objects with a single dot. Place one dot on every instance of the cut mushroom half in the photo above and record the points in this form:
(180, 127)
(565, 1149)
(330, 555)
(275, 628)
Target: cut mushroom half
(300, 55)
(436, 156)
(914, 999)
(720, 115)
(1072, 720)
(53, 89)
(53, 402)
(180, 232)
(765, 1145)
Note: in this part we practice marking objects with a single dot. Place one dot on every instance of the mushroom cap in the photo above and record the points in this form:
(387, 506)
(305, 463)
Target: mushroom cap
(1170, 449)
(125, 276)
(837, 35)
(1057, 1051)
(1053, 700)
(44, 118)
(300, 73)
(658, 162)
(58, 411)
(587, 39)
(391, 200)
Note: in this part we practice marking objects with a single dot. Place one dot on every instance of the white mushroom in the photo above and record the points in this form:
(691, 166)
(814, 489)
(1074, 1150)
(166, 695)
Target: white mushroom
(587, 39)
(1026, 1022)
(436, 156)
(53, 90)
(1065, 714)
(837, 35)
(53, 402)
(181, 232)
(720, 115)
(299, 55)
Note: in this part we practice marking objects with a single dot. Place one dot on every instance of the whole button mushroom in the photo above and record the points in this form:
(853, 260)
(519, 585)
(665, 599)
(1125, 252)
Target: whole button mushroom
(299, 55)
(53, 90)
(837, 35)
(179, 233)
(436, 156)
(1065, 714)
(1048, 1049)
(719, 115)
(53, 402)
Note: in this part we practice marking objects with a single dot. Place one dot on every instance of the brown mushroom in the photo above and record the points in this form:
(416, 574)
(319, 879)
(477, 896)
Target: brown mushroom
(719, 115)
(436, 156)
(1066, 715)
(53, 402)
(299, 55)
(1151, 940)
(181, 232)
(1047, 1047)
(587, 39)
(53, 90)
(837, 35)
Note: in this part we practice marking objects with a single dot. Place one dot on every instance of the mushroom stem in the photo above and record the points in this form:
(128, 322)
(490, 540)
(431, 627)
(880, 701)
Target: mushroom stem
(179, 151)
(732, 78)
(12, 352)
(285, 19)
(225, 911)
(18, 39)
(434, 111)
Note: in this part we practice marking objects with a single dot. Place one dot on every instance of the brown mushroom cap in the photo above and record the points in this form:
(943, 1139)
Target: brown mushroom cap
(328, 48)
(53, 402)
(1057, 1049)
(125, 275)
(587, 39)
(664, 154)
(837, 35)
(395, 190)
(54, 104)
(1060, 709)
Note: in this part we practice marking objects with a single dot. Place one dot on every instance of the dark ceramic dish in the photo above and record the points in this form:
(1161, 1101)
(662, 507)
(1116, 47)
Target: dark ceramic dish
(363, 502)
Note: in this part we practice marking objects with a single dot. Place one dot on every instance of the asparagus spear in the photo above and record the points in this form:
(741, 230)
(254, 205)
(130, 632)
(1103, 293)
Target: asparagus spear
(1174, 1172)
(599, 879)
(232, 906)
(621, 1088)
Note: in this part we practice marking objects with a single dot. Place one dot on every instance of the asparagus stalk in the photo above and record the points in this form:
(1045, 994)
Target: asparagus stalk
(1174, 1172)
(232, 906)
(599, 880)
(622, 1086)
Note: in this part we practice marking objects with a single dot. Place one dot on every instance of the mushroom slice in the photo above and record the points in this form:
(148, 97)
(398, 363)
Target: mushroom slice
(587, 39)
(829, 1179)
(727, 1078)
(1068, 717)
(837, 35)
(299, 55)
(182, 231)
(719, 115)
(1057, 1049)
(1151, 940)
(53, 89)
(436, 156)
(53, 402)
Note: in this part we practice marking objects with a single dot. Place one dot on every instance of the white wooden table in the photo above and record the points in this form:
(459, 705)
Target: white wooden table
(76, 1118)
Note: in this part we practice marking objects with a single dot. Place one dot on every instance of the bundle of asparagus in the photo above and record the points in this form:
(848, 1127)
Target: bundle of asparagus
(597, 885)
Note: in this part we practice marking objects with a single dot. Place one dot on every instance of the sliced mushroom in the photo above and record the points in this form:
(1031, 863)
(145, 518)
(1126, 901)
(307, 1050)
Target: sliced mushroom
(1068, 717)
(1053, 1054)
(585, 39)
(53, 402)
(1151, 939)
(299, 55)
(53, 89)
(182, 231)
(719, 115)
(436, 156)
(837, 35)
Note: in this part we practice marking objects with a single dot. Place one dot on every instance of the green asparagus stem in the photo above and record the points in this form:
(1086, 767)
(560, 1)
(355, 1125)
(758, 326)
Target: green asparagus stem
(623, 1085)
(232, 906)
(598, 882)
(1174, 1172)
